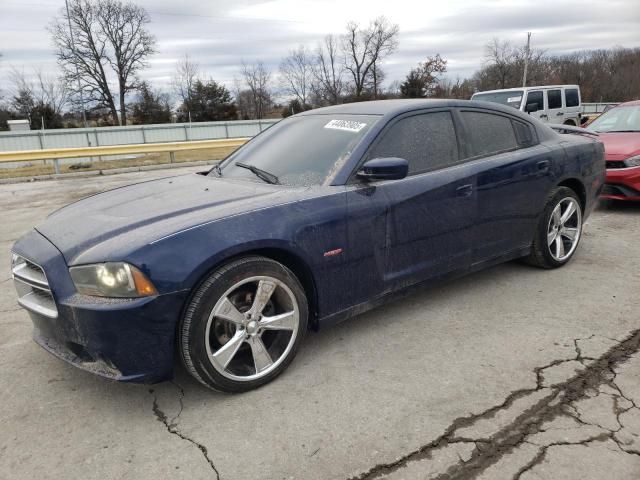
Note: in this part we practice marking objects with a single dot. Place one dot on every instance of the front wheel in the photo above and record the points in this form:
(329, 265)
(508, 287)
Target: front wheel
(243, 325)
(559, 230)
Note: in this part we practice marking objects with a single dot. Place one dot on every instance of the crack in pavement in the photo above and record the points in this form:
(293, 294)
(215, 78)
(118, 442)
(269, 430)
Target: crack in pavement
(488, 451)
(542, 453)
(172, 427)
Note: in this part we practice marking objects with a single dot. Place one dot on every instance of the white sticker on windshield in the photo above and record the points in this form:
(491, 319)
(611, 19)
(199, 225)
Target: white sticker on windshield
(514, 99)
(348, 125)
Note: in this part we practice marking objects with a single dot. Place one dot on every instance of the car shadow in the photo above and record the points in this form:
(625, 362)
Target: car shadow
(318, 344)
(626, 207)
(313, 350)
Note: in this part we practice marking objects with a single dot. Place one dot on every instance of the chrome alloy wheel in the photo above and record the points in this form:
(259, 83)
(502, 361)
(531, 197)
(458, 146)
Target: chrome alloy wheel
(252, 328)
(565, 226)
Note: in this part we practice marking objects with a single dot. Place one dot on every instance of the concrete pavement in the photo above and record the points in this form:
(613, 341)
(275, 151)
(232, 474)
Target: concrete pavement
(513, 372)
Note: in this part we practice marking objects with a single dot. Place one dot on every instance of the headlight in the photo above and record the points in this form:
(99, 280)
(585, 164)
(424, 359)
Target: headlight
(112, 279)
(633, 161)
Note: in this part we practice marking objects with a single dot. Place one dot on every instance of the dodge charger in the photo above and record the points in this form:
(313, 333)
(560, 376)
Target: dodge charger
(322, 216)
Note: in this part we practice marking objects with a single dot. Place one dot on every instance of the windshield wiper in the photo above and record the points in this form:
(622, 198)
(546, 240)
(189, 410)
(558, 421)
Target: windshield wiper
(217, 169)
(622, 131)
(261, 174)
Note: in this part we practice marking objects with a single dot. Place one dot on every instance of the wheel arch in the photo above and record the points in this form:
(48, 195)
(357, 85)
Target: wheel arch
(279, 253)
(577, 186)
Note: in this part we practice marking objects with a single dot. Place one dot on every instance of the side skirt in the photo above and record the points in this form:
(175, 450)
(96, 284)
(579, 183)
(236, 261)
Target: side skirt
(386, 297)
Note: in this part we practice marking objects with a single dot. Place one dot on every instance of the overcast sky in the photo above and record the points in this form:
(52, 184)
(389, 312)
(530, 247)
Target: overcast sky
(219, 34)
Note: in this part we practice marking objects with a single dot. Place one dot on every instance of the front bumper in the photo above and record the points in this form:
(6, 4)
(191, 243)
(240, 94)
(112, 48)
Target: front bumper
(622, 184)
(121, 339)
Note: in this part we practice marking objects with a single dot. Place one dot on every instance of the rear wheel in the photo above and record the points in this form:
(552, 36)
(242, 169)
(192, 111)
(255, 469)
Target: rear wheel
(244, 325)
(559, 230)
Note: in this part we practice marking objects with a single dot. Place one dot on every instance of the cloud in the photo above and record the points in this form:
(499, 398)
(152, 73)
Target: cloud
(220, 34)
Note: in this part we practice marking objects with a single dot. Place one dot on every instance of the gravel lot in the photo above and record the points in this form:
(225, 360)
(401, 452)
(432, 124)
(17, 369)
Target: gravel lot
(513, 372)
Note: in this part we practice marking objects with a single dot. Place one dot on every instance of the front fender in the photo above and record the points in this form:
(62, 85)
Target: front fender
(304, 230)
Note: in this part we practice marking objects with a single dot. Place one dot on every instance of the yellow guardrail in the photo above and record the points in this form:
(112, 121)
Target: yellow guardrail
(60, 153)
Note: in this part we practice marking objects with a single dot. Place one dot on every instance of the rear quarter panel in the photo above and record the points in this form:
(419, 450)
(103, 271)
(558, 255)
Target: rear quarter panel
(584, 161)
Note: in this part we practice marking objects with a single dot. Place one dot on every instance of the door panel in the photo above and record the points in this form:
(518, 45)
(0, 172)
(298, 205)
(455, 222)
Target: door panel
(555, 108)
(511, 188)
(537, 96)
(406, 231)
(428, 222)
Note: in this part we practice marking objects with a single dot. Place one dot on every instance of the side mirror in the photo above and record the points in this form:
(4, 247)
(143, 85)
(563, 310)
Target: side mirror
(391, 168)
(531, 107)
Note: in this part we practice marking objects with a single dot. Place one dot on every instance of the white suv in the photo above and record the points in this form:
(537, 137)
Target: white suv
(549, 103)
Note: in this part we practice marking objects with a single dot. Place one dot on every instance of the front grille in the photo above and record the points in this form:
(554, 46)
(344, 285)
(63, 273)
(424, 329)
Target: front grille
(32, 286)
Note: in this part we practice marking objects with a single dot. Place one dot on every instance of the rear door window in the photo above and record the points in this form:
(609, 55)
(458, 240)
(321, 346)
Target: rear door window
(554, 99)
(427, 141)
(524, 134)
(572, 99)
(488, 133)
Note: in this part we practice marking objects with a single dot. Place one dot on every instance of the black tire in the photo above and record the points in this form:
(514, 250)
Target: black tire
(194, 343)
(541, 255)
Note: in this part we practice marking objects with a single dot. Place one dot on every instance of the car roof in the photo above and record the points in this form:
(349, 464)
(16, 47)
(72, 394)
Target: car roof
(395, 107)
(519, 89)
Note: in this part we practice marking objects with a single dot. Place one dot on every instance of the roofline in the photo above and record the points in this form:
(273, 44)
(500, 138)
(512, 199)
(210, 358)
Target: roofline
(540, 87)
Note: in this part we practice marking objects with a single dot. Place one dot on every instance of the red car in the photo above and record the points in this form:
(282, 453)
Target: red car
(619, 130)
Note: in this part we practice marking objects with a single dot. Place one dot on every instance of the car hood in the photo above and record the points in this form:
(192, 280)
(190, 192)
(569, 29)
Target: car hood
(618, 146)
(132, 216)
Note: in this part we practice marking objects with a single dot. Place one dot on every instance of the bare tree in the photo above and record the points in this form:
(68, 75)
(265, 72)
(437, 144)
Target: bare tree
(95, 39)
(39, 97)
(297, 74)
(185, 78)
(364, 49)
(257, 79)
(328, 71)
(501, 59)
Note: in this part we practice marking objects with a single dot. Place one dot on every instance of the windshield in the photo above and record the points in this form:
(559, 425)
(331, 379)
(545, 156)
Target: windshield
(512, 98)
(298, 151)
(619, 119)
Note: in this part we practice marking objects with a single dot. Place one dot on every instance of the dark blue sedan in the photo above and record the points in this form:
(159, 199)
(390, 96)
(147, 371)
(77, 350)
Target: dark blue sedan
(323, 216)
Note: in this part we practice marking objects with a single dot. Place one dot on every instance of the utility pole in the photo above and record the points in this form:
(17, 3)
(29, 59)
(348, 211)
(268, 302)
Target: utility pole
(526, 60)
(73, 46)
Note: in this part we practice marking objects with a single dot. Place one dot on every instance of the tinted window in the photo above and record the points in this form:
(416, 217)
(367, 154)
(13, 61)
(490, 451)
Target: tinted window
(554, 98)
(488, 133)
(524, 134)
(535, 97)
(571, 97)
(426, 141)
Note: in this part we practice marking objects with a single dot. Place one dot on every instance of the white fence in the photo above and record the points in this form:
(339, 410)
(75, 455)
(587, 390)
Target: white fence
(102, 136)
(591, 108)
